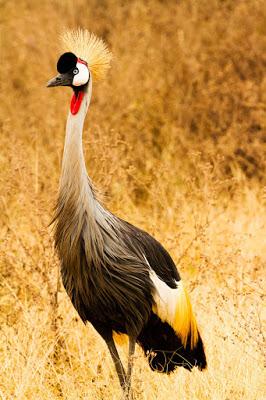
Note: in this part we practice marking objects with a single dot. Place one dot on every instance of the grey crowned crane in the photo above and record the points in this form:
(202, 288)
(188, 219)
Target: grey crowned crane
(118, 277)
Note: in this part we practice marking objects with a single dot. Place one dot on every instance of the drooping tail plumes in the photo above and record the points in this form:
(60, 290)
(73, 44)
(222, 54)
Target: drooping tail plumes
(165, 350)
(171, 337)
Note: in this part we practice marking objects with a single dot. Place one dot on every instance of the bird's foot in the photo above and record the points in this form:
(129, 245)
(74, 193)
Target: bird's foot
(128, 394)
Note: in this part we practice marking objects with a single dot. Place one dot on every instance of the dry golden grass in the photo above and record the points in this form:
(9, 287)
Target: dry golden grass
(175, 139)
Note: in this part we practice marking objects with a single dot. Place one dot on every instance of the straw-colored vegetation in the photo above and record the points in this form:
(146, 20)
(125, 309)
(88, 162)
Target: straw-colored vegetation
(175, 140)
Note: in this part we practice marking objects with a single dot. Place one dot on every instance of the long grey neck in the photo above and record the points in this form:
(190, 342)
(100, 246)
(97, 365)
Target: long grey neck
(77, 208)
(74, 179)
(78, 213)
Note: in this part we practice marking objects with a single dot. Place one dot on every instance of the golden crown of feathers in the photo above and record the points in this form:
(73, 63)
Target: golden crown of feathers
(89, 48)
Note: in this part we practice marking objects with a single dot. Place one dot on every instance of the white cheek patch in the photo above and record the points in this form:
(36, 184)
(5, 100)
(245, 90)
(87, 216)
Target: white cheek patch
(83, 75)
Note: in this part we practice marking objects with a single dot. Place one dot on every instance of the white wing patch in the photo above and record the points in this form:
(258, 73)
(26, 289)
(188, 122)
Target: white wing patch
(165, 298)
(173, 306)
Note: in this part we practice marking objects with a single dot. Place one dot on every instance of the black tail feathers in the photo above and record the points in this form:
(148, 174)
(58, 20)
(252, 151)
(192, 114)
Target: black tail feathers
(164, 349)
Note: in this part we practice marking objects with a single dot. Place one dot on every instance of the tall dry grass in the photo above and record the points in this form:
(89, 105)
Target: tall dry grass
(175, 140)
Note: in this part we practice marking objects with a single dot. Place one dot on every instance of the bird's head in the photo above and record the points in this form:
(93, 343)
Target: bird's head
(73, 72)
(87, 57)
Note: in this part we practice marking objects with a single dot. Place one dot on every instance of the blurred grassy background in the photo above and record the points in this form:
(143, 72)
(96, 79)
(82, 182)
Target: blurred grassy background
(175, 140)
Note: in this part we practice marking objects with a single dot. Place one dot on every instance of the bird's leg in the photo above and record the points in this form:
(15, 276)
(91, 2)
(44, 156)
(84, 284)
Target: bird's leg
(131, 351)
(118, 364)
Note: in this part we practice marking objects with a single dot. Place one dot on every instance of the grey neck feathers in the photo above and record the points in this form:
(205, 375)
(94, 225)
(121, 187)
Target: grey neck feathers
(74, 183)
(78, 213)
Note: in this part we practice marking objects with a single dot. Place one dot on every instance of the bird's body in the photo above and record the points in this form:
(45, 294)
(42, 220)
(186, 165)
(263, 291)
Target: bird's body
(118, 277)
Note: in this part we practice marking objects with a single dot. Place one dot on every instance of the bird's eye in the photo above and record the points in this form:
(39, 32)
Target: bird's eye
(75, 71)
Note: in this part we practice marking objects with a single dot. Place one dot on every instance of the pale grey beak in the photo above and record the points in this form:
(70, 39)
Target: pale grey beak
(61, 80)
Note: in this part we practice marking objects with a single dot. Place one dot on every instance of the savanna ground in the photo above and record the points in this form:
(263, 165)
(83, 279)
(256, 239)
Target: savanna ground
(175, 141)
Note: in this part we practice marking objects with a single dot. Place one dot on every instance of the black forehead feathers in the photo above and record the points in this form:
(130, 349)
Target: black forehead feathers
(66, 62)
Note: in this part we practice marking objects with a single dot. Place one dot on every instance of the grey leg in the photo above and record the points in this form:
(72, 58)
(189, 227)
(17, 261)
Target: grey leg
(131, 351)
(118, 364)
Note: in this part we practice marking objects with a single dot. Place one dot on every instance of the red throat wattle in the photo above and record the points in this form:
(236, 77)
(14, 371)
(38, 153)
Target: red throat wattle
(76, 102)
